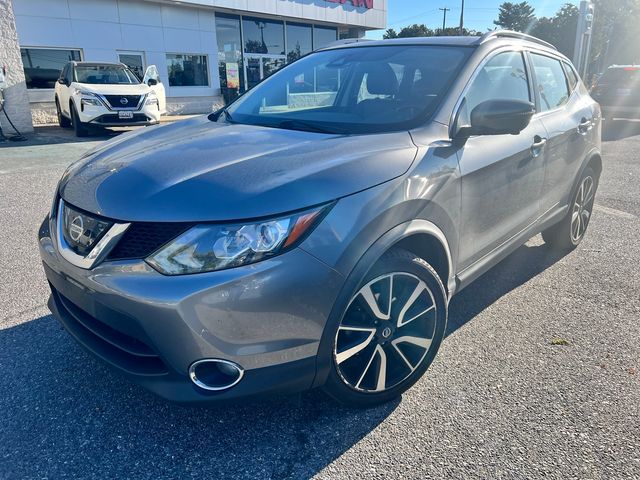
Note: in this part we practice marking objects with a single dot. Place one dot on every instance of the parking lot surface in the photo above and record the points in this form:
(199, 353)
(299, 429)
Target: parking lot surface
(539, 375)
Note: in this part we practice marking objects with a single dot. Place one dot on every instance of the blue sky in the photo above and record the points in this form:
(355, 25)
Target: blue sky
(479, 14)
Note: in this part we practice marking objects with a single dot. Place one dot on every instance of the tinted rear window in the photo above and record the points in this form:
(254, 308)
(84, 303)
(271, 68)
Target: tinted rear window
(621, 76)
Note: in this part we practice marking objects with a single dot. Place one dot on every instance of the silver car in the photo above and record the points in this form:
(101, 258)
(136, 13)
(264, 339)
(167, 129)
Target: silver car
(312, 233)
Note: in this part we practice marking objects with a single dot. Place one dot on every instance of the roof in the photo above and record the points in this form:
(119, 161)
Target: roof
(625, 66)
(463, 41)
(97, 64)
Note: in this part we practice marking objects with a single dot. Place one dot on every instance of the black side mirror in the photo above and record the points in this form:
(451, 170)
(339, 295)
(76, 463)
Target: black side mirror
(152, 81)
(499, 117)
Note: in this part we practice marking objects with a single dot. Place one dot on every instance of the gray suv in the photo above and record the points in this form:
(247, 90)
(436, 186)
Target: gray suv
(312, 233)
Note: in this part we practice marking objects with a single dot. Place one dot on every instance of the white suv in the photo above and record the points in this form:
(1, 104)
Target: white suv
(107, 95)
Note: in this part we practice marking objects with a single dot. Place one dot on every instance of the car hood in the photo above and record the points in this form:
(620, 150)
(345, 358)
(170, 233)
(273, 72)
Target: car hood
(134, 89)
(197, 170)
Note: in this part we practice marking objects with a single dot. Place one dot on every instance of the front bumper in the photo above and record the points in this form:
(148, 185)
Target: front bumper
(266, 317)
(105, 117)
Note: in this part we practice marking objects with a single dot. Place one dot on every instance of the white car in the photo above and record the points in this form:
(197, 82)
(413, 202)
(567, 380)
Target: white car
(107, 95)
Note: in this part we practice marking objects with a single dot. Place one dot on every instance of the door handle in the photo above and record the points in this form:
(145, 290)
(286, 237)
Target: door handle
(537, 145)
(584, 126)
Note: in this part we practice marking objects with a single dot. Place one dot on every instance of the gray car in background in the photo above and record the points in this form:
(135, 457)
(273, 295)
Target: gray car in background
(313, 232)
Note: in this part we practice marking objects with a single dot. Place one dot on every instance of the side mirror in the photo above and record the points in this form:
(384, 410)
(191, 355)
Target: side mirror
(152, 81)
(499, 117)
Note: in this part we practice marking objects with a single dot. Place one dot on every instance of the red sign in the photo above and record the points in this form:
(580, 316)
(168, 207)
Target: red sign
(355, 3)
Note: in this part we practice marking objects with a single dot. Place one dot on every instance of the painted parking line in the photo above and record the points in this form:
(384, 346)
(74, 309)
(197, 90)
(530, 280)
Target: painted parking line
(615, 212)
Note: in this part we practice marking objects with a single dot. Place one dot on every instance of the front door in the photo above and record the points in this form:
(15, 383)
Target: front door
(260, 66)
(156, 86)
(501, 175)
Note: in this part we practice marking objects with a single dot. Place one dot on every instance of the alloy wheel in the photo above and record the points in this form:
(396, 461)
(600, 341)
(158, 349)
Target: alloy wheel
(582, 208)
(386, 332)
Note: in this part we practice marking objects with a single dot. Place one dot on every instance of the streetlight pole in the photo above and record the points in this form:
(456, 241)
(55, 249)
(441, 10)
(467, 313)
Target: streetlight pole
(462, 19)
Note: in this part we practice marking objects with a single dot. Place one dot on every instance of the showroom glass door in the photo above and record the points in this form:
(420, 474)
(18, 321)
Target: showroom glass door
(259, 66)
(135, 62)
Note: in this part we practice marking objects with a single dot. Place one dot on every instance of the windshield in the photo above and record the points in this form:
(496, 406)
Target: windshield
(105, 75)
(353, 90)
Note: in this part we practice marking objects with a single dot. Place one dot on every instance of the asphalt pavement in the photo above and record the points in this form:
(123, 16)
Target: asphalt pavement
(539, 376)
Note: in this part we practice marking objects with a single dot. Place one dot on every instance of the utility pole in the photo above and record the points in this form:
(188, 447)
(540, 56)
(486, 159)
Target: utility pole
(583, 37)
(444, 18)
(462, 19)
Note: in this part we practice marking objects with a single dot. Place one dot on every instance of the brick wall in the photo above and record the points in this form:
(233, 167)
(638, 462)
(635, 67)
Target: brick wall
(15, 94)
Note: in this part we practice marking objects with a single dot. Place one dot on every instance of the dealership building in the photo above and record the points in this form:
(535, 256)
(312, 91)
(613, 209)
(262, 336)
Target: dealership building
(207, 51)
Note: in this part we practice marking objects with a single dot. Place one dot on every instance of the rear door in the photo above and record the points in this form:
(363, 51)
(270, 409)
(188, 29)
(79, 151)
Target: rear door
(567, 113)
(501, 174)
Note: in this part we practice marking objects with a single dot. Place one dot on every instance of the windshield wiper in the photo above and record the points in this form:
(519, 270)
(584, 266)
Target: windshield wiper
(308, 127)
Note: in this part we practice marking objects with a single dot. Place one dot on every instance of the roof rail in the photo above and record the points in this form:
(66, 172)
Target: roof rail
(345, 41)
(511, 34)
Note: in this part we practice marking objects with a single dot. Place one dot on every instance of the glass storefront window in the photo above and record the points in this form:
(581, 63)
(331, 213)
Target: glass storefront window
(263, 36)
(323, 36)
(299, 40)
(229, 56)
(42, 66)
(187, 70)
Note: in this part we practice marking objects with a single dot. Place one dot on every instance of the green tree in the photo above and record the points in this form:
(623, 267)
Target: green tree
(615, 34)
(516, 16)
(390, 33)
(559, 30)
(416, 30)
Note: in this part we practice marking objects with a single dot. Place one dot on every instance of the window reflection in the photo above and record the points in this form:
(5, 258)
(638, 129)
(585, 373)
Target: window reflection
(299, 41)
(263, 36)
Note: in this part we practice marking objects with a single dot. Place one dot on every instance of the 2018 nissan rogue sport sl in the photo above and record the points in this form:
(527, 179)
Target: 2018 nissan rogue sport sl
(312, 233)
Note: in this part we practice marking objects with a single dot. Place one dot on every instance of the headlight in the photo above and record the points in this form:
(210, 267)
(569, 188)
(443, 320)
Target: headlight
(86, 93)
(205, 248)
(91, 101)
(152, 99)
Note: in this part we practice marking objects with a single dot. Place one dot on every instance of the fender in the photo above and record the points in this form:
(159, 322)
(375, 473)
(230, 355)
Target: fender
(354, 279)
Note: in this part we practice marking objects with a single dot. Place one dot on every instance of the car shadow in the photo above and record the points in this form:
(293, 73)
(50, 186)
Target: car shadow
(62, 413)
(51, 135)
(525, 263)
(619, 129)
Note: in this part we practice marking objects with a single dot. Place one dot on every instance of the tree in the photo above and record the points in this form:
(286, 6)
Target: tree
(416, 30)
(455, 31)
(390, 33)
(615, 34)
(516, 16)
(559, 30)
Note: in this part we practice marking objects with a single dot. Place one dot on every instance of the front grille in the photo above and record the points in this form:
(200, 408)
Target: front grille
(114, 118)
(142, 239)
(82, 231)
(123, 101)
(117, 348)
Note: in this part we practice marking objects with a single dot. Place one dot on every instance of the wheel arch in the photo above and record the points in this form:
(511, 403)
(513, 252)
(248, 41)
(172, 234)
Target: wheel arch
(421, 237)
(594, 160)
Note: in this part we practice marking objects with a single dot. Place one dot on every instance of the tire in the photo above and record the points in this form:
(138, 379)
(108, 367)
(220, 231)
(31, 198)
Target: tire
(63, 121)
(364, 341)
(79, 127)
(569, 232)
